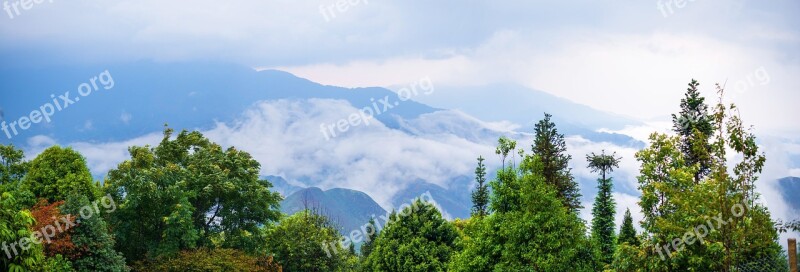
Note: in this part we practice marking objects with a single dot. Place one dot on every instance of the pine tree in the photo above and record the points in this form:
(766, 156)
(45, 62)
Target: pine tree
(604, 207)
(366, 247)
(480, 197)
(551, 148)
(627, 234)
(695, 127)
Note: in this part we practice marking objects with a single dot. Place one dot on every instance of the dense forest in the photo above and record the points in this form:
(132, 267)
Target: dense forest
(188, 204)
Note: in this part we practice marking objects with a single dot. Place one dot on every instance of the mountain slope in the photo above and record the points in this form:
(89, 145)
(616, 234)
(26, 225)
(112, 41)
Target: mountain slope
(790, 189)
(145, 95)
(350, 209)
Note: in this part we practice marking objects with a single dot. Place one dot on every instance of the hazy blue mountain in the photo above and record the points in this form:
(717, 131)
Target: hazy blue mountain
(790, 189)
(525, 106)
(147, 95)
(282, 186)
(455, 201)
(350, 209)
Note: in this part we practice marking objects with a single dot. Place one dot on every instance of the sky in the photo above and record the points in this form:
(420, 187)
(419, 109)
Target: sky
(632, 58)
(627, 57)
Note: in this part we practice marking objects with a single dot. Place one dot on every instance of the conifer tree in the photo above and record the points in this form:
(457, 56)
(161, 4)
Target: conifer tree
(604, 207)
(480, 197)
(551, 148)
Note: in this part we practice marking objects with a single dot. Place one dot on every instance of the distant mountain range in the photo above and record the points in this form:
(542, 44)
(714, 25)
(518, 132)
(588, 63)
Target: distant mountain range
(790, 189)
(349, 209)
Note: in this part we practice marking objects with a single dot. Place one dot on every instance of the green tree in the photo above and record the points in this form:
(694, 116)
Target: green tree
(18, 252)
(369, 239)
(627, 233)
(306, 241)
(530, 230)
(95, 245)
(604, 208)
(219, 259)
(551, 149)
(12, 165)
(695, 127)
(188, 192)
(504, 147)
(58, 173)
(480, 197)
(416, 238)
(724, 205)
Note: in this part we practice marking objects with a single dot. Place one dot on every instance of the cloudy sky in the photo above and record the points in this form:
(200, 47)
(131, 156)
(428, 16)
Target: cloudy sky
(605, 54)
(632, 58)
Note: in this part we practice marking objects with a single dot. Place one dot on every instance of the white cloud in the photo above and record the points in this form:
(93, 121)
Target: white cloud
(125, 117)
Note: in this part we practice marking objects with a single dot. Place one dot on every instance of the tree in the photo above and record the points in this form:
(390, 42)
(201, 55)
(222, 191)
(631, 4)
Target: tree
(47, 214)
(369, 240)
(736, 229)
(188, 193)
(480, 197)
(603, 210)
(627, 233)
(19, 253)
(219, 259)
(58, 173)
(416, 238)
(695, 127)
(529, 230)
(306, 241)
(504, 147)
(12, 166)
(95, 246)
(551, 148)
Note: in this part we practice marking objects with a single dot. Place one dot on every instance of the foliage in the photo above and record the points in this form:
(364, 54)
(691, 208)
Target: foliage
(187, 193)
(480, 197)
(674, 204)
(530, 230)
(604, 208)
(204, 259)
(416, 238)
(58, 173)
(551, 149)
(627, 233)
(12, 166)
(695, 127)
(504, 147)
(369, 239)
(47, 214)
(14, 227)
(306, 241)
(92, 239)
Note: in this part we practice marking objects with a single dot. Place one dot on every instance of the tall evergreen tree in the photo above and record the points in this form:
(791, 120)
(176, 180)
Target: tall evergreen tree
(627, 233)
(551, 148)
(480, 197)
(369, 239)
(695, 127)
(604, 207)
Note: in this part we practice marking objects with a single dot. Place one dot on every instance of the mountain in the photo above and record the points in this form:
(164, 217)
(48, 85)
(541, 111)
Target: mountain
(525, 106)
(455, 201)
(143, 96)
(350, 209)
(790, 189)
(282, 186)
